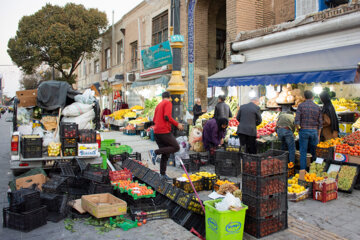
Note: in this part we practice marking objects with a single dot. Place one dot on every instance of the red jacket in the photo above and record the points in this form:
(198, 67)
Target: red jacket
(163, 111)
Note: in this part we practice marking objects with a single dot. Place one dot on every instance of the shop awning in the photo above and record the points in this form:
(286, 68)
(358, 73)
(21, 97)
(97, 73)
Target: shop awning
(163, 80)
(331, 65)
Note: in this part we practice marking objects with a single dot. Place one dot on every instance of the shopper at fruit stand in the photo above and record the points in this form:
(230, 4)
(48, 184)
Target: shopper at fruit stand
(249, 117)
(197, 111)
(330, 119)
(213, 135)
(285, 128)
(164, 138)
(308, 121)
(222, 110)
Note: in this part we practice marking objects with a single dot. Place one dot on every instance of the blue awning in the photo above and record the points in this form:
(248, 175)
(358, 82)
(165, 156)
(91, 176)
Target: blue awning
(330, 65)
(163, 80)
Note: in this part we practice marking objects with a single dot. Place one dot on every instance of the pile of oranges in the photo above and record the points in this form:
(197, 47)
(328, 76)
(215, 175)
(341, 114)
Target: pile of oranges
(331, 143)
(347, 149)
(311, 177)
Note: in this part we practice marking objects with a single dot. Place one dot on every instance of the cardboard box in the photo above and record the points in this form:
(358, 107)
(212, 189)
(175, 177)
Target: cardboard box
(27, 182)
(103, 205)
(27, 98)
(88, 149)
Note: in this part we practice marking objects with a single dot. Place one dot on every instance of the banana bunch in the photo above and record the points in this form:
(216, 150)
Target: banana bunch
(137, 107)
(343, 104)
(193, 177)
(139, 120)
(130, 115)
(118, 115)
(207, 116)
(206, 174)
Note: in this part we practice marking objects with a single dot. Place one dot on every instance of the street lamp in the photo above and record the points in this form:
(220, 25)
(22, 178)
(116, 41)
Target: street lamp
(176, 83)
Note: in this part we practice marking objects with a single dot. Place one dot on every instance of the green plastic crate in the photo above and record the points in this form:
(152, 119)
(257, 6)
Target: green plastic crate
(224, 225)
(114, 150)
(104, 161)
(106, 143)
(123, 223)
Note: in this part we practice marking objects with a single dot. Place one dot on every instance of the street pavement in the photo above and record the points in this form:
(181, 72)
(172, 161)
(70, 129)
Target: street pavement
(307, 219)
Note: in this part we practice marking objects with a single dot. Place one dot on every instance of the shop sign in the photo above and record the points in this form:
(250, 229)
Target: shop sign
(191, 77)
(157, 56)
(177, 38)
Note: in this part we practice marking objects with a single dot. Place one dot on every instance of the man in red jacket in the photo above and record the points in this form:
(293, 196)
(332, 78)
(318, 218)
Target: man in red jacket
(163, 136)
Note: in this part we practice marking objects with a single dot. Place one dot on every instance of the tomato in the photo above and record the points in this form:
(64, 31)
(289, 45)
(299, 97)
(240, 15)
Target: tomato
(144, 221)
(139, 224)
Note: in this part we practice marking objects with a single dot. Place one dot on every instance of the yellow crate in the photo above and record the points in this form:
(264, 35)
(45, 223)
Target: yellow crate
(103, 205)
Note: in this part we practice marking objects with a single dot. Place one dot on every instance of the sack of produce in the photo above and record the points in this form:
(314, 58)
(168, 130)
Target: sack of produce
(83, 121)
(76, 109)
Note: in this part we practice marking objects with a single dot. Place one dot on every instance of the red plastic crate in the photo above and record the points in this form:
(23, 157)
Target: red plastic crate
(120, 175)
(325, 196)
(325, 192)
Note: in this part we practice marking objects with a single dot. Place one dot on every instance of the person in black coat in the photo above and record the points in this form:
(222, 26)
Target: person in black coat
(222, 110)
(197, 111)
(249, 117)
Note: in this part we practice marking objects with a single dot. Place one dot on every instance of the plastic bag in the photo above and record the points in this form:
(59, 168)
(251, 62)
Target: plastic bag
(188, 116)
(23, 116)
(76, 109)
(25, 129)
(86, 98)
(184, 147)
(50, 137)
(38, 131)
(227, 202)
(84, 121)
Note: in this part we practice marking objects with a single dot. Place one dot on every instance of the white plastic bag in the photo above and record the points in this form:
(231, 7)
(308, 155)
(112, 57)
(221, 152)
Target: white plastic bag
(38, 131)
(23, 116)
(25, 129)
(87, 97)
(188, 116)
(48, 138)
(76, 109)
(227, 202)
(83, 121)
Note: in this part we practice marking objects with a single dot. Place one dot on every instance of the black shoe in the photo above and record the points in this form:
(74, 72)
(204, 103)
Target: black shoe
(166, 177)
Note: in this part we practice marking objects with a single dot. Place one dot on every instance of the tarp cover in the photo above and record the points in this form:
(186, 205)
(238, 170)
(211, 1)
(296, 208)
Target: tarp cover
(53, 94)
(330, 65)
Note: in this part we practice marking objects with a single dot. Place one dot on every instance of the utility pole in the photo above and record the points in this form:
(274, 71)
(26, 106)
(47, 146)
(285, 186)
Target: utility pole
(176, 84)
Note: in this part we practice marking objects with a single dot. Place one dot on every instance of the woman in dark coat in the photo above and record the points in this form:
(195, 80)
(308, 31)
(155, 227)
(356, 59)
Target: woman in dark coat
(330, 119)
(213, 135)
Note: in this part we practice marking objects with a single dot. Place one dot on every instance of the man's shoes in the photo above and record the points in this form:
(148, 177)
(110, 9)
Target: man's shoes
(153, 156)
(166, 177)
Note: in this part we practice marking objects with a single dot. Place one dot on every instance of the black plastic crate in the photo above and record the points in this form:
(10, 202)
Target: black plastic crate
(114, 158)
(149, 176)
(197, 222)
(228, 157)
(209, 182)
(95, 188)
(31, 146)
(264, 207)
(81, 163)
(195, 206)
(264, 186)
(192, 164)
(126, 162)
(70, 151)
(265, 164)
(180, 215)
(131, 201)
(227, 168)
(156, 181)
(135, 155)
(66, 170)
(347, 117)
(172, 192)
(25, 221)
(87, 136)
(61, 211)
(149, 213)
(183, 199)
(325, 153)
(24, 200)
(77, 192)
(263, 227)
(163, 185)
(141, 171)
(132, 165)
(96, 174)
(186, 186)
(55, 184)
(52, 201)
(68, 130)
(68, 143)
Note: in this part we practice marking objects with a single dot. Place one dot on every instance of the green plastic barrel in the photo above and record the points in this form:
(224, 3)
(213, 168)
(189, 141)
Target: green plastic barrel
(224, 225)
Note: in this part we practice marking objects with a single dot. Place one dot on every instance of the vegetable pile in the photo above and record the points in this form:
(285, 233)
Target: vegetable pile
(346, 177)
(266, 187)
(353, 139)
(347, 149)
(317, 168)
(266, 130)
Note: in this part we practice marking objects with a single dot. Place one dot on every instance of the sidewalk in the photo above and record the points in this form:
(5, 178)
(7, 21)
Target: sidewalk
(308, 219)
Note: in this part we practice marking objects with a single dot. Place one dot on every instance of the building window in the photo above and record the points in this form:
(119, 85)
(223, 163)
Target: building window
(160, 28)
(107, 58)
(134, 53)
(220, 49)
(119, 48)
(97, 66)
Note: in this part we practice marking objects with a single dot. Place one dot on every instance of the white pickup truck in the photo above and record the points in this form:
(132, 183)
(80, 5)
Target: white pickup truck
(18, 164)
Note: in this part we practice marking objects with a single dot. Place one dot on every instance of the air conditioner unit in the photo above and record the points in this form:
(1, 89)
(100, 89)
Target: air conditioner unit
(130, 77)
(137, 76)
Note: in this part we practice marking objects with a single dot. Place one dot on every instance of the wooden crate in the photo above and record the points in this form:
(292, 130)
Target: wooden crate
(103, 205)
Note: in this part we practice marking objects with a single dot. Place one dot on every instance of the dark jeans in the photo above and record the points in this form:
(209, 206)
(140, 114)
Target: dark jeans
(287, 142)
(249, 142)
(307, 137)
(167, 145)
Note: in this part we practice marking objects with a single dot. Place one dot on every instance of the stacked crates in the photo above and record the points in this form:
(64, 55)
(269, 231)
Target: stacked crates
(31, 146)
(69, 138)
(227, 163)
(264, 185)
